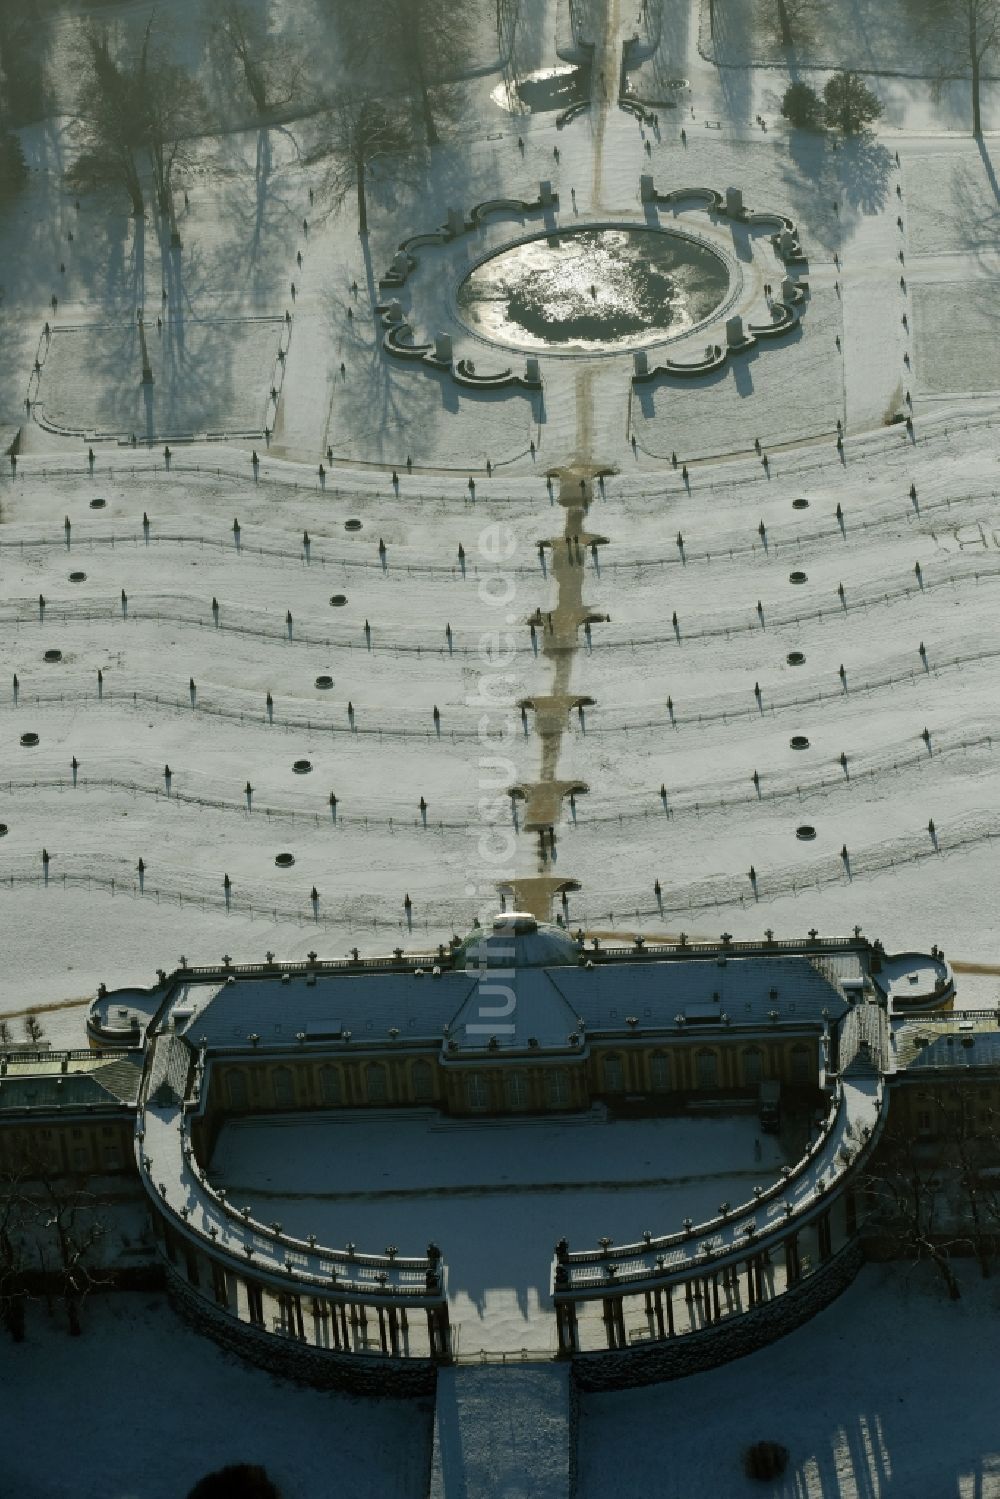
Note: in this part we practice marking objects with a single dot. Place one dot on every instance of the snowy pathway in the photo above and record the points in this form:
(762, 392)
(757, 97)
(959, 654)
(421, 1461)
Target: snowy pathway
(502, 1430)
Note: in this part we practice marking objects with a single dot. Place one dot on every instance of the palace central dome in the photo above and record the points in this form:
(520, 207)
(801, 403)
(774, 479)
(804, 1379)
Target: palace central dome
(516, 940)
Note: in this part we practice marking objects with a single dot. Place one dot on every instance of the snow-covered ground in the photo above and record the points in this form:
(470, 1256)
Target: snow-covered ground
(373, 739)
(898, 674)
(190, 1409)
(879, 1397)
(495, 1195)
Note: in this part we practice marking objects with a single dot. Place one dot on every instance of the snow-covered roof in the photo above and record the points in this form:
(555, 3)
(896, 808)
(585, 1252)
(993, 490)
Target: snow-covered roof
(522, 1008)
(365, 1003)
(90, 1079)
(912, 977)
(950, 1046)
(863, 1041)
(745, 990)
(169, 1069)
(523, 1001)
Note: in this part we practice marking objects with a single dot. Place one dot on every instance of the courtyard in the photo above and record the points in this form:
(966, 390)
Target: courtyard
(495, 1194)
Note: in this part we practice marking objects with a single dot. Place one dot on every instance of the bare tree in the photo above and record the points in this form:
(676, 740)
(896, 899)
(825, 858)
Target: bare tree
(789, 17)
(69, 1214)
(964, 34)
(13, 1261)
(33, 1028)
(109, 121)
(21, 90)
(906, 1187)
(362, 132)
(262, 66)
(135, 108)
(173, 111)
(50, 1229)
(509, 14)
(937, 1195)
(420, 43)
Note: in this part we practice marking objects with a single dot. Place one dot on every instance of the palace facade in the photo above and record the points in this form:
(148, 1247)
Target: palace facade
(519, 1019)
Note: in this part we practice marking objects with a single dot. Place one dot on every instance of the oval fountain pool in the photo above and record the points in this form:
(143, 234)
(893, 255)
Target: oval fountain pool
(594, 289)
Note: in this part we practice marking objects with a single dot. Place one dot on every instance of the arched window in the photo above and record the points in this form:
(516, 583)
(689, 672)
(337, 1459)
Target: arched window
(708, 1069)
(614, 1074)
(659, 1072)
(236, 1090)
(330, 1087)
(375, 1083)
(557, 1088)
(283, 1085)
(422, 1081)
(515, 1086)
(753, 1065)
(477, 1095)
(802, 1065)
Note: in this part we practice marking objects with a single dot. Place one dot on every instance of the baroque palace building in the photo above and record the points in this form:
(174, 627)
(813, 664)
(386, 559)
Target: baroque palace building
(520, 1019)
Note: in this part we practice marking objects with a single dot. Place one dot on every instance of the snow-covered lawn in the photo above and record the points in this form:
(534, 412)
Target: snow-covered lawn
(879, 1397)
(207, 377)
(701, 418)
(495, 1195)
(951, 203)
(871, 35)
(957, 339)
(191, 1409)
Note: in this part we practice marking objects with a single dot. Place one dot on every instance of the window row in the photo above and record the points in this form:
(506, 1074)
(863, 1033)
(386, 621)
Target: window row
(663, 1073)
(332, 1085)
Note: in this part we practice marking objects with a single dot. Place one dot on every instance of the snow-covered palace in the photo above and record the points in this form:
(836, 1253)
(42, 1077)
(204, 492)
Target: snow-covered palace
(521, 1019)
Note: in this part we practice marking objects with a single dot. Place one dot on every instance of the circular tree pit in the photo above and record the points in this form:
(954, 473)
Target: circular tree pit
(284, 861)
(302, 767)
(799, 741)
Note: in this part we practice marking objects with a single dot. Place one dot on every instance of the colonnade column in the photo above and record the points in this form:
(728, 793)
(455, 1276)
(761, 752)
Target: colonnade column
(438, 1331)
(823, 1235)
(793, 1265)
(566, 1327)
(614, 1321)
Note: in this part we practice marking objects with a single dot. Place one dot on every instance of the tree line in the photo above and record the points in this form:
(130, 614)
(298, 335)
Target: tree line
(962, 37)
(51, 1233)
(138, 110)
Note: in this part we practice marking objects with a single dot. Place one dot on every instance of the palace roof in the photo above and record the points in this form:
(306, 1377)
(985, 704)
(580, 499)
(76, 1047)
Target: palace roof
(528, 1002)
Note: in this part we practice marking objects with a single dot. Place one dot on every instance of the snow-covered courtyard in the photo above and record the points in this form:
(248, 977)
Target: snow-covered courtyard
(495, 1194)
